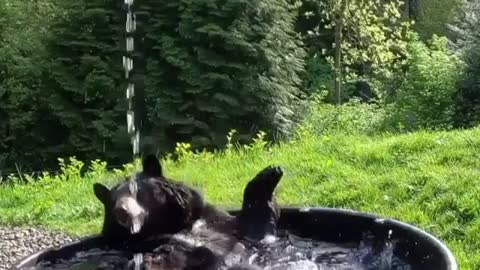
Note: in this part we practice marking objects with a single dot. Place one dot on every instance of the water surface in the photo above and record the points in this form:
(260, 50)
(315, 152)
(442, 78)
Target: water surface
(287, 252)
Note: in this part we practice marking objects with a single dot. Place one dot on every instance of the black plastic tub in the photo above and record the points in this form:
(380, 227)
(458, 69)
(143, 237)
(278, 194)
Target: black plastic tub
(421, 250)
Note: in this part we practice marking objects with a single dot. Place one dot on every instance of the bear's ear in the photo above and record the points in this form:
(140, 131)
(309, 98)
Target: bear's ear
(101, 192)
(151, 166)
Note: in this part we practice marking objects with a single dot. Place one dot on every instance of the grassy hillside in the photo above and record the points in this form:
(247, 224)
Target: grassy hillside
(431, 180)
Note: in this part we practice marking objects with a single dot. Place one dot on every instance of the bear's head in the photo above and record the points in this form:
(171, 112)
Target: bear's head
(147, 203)
(122, 204)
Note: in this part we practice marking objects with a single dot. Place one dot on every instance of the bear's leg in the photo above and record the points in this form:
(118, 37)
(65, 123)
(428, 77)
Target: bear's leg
(259, 215)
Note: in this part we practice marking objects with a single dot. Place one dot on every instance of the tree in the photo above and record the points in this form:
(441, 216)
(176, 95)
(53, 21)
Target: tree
(467, 111)
(424, 92)
(85, 88)
(411, 9)
(370, 36)
(433, 16)
(214, 65)
(339, 14)
(465, 37)
(463, 31)
(25, 129)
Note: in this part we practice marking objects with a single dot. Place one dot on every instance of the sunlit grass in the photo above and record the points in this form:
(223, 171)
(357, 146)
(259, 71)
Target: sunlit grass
(431, 180)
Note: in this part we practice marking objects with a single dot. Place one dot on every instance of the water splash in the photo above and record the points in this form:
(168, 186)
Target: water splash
(293, 252)
(137, 261)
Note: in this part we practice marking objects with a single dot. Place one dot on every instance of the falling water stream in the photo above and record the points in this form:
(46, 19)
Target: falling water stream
(130, 27)
(133, 131)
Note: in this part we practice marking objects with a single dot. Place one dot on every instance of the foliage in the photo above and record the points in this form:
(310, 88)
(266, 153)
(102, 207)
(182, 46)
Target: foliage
(24, 124)
(428, 179)
(373, 40)
(424, 98)
(211, 66)
(464, 31)
(85, 85)
(319, 75)
(468, 97)
(60, 84)
(311, 27)
(352, 117)
(316, 39)
(433, 17)
(215, 65)
(226, 68)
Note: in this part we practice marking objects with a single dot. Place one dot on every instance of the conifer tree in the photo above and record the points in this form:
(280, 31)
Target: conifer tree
(26, 130)
(214, 65)
(85, 85)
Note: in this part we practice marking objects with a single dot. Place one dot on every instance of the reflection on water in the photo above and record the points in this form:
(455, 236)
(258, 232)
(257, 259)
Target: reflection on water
(288, 252)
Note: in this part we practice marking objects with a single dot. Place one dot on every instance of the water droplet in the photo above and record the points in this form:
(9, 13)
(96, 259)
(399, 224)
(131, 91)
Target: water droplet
(138, 260)
(130, 90)
(380, 220)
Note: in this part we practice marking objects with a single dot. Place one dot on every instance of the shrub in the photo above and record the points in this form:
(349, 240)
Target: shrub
(319, 75)
(467, 108)
(424, 98)
(352, 117)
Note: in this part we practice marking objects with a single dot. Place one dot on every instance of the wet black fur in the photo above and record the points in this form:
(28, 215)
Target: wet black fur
(260, 212)
(173, 207)
(180, 255)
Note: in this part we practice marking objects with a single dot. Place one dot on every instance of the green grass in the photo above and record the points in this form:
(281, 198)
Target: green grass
(429, 179)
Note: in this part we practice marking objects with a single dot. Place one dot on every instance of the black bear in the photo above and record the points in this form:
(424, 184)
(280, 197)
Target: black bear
(149, 205)
(140, 207)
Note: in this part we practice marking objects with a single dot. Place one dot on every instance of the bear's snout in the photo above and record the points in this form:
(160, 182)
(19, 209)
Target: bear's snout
(130, 214)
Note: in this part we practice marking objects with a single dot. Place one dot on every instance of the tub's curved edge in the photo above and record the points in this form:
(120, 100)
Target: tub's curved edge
(442, 246)
(35, 257)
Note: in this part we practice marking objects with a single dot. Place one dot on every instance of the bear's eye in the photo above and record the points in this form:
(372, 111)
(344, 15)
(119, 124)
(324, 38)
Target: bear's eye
(121, 215)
